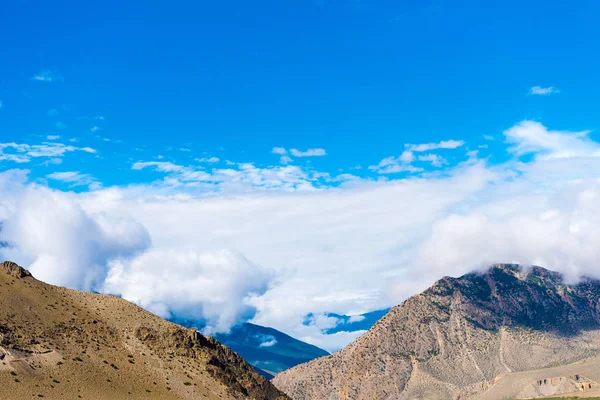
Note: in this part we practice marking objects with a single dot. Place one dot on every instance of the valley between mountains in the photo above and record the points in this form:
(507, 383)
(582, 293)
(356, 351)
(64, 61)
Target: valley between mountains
(507, 333)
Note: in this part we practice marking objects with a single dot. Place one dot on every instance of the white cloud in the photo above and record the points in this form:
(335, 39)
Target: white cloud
(53, 137)
(356, 318)
(47, 76)
(52, 161)
(238, 178)
(22, 153)
(285, 160)
(543, 91)
(163, 166)
(75, 178)
(49, 232)
(213, 286)
(392, 165)
(434, 159)
(346, 250)
(209, 160)
(268, 343)
(444, 144)
(404, 162)
(184, 149)
(529, 137)
(308, 153)
(14, 157)
(406, 157)
(279, 150)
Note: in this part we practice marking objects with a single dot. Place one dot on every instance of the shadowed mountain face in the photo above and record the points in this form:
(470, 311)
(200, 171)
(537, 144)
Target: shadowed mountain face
(458, 337)
(58, 343)
(269, 349)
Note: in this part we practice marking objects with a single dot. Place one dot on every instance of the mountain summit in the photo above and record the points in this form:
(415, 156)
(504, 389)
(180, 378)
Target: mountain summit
(510, 332)
(58, 343)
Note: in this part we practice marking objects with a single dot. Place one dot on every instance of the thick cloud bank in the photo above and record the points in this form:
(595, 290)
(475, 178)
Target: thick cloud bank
(62, 244)
(349, 249)
(211, 286)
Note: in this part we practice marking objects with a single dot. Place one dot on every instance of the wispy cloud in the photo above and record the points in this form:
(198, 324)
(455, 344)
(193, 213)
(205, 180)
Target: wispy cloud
(21, 153)
(75, 178)
(543, 91)
(285, 159)
(268, 341)
(444, 144)
(53, 137)
(47, 76)
(393, 165)
(404, 162)
(163, 166)
(435, 159)
(531, 137)
(279, 151)
(209, 160)
(17, 158)
(316, 152)
(52, 161)
(236, 177)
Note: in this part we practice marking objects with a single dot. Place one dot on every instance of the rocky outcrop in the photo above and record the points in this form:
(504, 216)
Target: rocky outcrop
(454, 339)
(13, 269)
(221, 363)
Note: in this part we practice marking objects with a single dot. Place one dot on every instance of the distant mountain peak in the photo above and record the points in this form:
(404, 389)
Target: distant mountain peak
(456, 338)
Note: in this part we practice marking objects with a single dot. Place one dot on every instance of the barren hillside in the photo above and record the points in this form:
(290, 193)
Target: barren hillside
(58, 343)
(462, 336)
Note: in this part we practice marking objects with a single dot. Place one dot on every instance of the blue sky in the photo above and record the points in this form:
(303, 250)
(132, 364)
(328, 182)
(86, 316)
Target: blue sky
(232, 80)
(272, 160)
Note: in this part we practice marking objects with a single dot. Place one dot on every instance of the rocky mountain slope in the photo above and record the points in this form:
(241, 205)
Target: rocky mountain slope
(465, 337)
(58, 343)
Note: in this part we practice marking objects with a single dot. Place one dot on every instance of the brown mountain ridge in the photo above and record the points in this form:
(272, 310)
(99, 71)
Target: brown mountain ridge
(507, 333)
(58, 343)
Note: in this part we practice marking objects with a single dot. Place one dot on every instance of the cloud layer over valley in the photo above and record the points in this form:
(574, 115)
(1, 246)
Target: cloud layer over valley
(285, 247)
